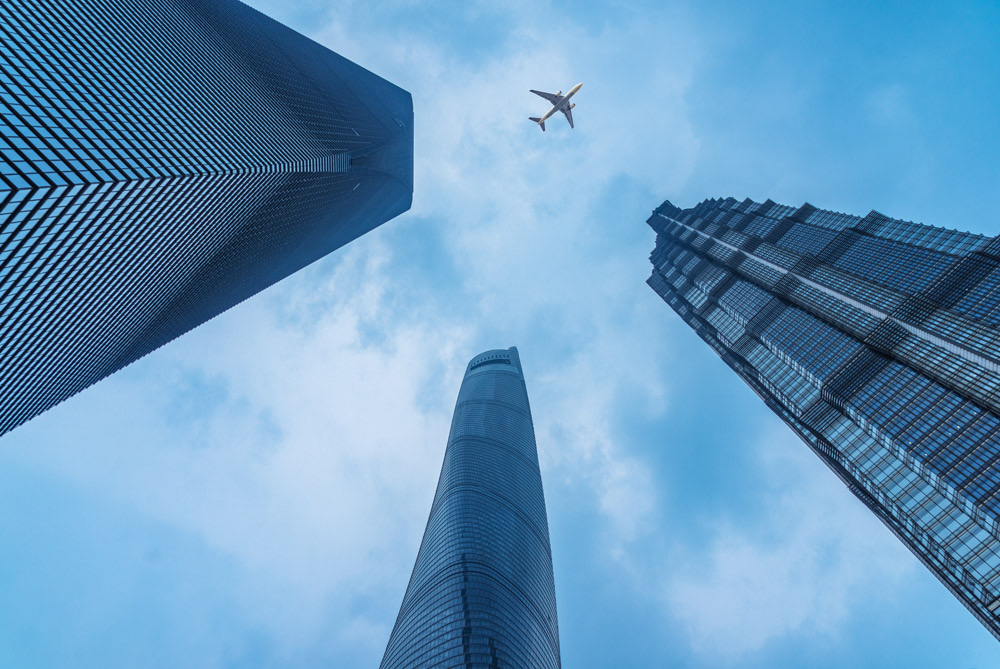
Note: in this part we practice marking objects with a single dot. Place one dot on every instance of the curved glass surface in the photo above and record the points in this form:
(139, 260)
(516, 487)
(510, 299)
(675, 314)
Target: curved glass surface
(482, 591)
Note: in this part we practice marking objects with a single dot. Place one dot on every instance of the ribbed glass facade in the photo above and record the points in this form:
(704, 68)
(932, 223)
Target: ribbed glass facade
(482, 593)
(878, 342)
(161, 161)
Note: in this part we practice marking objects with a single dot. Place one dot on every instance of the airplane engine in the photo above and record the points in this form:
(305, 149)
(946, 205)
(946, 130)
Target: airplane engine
(572, 105)
(559, 93)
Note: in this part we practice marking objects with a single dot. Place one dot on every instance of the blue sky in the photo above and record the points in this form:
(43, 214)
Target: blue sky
(253, 494)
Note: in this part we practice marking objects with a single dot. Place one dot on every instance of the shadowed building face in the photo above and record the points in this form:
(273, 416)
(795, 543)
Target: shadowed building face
(160, 162)
(482, 591)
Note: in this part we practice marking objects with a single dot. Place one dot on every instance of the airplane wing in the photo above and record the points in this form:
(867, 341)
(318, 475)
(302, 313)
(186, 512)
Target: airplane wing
(569, 116)
(548, 96)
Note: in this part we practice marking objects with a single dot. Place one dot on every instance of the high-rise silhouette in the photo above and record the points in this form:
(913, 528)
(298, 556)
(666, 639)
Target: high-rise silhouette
(161, 161)
(482, 593)
(878, 342)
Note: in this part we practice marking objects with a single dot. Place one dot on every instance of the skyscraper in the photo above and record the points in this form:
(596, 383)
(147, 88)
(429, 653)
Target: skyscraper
(482, 592)
(878, 342)
(161, 161)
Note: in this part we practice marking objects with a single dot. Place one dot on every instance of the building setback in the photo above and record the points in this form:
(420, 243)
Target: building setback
(482, 592)
(161, 161)
(878, 342)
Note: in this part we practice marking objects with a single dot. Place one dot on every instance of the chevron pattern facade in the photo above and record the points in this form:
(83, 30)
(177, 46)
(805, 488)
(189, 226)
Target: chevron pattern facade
(878, 342)
(163, 160)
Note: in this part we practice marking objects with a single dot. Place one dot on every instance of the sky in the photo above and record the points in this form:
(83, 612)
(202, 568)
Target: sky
(254, 493)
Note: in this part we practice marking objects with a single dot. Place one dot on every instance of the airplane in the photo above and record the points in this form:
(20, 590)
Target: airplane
(559, 102)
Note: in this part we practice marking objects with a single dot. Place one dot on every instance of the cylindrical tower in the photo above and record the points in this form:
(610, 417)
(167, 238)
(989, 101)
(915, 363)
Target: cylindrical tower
(482, 592)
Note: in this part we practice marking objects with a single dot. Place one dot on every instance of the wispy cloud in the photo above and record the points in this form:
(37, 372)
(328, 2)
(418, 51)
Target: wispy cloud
(300, 435)
(801, 568)
(546, 262)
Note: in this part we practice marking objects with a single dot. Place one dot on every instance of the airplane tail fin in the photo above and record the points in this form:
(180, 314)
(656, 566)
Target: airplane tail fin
(538, 121)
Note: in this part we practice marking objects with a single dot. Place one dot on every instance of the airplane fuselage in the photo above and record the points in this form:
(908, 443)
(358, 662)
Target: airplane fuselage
(563, 103)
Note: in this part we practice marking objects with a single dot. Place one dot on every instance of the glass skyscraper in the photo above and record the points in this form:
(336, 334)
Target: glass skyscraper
(161, 161)
(482, 593)
(878, 342)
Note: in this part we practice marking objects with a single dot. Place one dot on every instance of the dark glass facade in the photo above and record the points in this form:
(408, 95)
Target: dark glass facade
(161, 161)
(482, 593)
(878, 342)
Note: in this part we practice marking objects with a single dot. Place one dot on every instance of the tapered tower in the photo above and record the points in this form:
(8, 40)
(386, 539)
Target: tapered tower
(482, 592)
(878, 342)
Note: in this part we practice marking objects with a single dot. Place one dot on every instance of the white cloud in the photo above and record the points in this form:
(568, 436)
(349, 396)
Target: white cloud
(575, 406)
(302, 432)
(315, 464)
(516, 210)
(813, 556)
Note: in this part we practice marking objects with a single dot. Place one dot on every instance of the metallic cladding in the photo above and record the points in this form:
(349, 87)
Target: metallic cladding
(163, 160)
(482, 592)
(878, 342)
